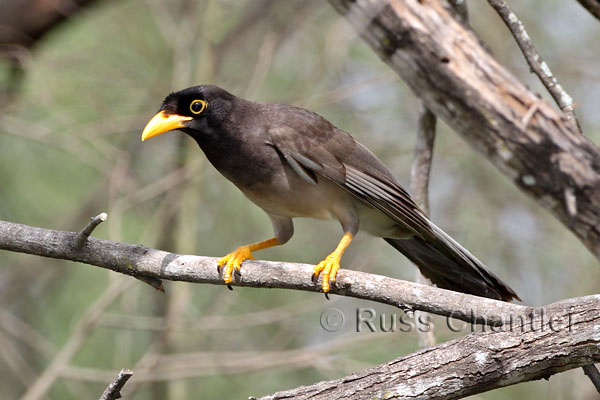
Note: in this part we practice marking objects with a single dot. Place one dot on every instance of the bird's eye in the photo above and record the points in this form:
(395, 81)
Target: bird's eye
(197, 106)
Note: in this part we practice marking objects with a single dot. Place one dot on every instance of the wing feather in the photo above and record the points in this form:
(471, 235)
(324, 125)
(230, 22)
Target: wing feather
(361, 174)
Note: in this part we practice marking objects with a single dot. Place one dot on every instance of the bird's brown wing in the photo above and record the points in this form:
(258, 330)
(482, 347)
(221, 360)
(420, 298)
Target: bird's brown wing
(335, 155)
(327, 151)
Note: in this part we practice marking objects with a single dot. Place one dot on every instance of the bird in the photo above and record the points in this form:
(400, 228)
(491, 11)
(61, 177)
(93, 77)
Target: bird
(292, 162)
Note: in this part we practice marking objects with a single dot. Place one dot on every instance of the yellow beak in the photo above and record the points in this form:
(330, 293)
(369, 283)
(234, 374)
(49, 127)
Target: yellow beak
(163, 122)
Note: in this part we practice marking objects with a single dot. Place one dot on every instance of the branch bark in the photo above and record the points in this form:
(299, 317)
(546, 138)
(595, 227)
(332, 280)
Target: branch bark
(143, 262)
(535, 62)
(24, 22)
(477, 362)
(528, 140)
(113, 391)
(592, 372)
(419, 187)
(85, 233)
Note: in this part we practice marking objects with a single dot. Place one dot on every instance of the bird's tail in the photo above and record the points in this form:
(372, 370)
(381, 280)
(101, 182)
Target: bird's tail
(450, 266)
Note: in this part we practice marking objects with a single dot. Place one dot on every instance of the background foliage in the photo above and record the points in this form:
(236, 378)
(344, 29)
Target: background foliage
(70, 148)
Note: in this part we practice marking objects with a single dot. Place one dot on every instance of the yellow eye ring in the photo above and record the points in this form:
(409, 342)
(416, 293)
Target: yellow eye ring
(197, 106)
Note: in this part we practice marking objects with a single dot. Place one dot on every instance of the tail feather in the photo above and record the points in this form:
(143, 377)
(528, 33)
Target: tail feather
(450, 266)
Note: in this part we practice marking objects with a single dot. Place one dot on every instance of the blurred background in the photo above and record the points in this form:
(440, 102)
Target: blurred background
(70, 124)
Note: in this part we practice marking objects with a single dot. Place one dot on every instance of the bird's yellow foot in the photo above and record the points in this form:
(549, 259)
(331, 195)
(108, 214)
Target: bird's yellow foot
(329, 268)
(233, 261)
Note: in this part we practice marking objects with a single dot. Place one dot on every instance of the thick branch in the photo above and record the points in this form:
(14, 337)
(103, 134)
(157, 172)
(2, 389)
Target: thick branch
(593, 6)
(23, 22)
(527, 139)
(477, 362)
(139, 261)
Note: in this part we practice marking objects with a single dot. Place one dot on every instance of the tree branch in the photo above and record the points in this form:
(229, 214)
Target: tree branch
(419, 187)
(421, 167)
(419, 177)
(446, 66)
(568, 337)
(535, 62)
(593, 6)
(24, 22)
(592, 372)
(143, 262)
(113, 391)
(85, 233)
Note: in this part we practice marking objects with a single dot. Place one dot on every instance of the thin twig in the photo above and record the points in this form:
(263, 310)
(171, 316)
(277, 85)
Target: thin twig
(419, 185)
(537, 65)
(113, 391)
(592, 372)
(85, 233)
(421, 167)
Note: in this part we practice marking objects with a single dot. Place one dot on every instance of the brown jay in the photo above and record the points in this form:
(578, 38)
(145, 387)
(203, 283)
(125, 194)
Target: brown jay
(292, 162)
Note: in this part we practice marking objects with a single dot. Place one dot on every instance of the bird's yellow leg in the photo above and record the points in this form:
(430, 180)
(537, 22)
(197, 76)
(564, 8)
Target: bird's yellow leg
(331, 264)
(235, 259)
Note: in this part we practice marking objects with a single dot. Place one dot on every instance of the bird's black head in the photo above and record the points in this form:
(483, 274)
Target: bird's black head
(191, 110)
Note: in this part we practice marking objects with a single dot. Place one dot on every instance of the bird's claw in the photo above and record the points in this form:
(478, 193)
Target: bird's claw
(328, 268)
(233, 262)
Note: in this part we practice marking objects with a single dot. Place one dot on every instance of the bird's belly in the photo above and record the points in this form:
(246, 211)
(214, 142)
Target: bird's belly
(294, 197)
